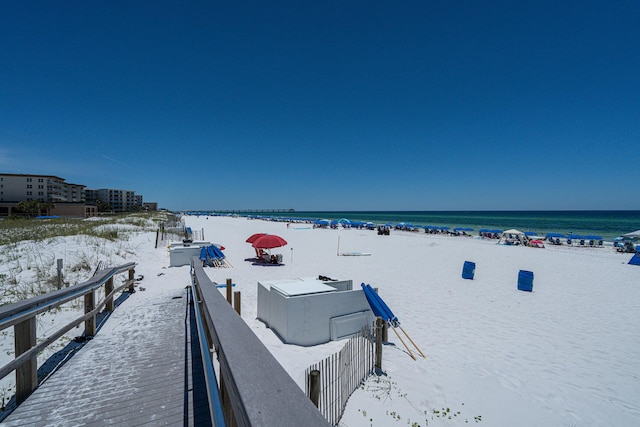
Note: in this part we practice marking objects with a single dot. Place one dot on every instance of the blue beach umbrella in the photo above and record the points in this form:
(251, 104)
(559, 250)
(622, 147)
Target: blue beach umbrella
(555, 235)
(593, 237)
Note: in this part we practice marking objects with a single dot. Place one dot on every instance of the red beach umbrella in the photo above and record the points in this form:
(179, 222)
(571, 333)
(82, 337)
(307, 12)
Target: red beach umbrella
(255, 237)
(269, 241)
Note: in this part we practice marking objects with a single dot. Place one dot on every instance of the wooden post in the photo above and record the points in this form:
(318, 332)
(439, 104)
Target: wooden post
(379, 323)
(385, 327)
(157, 235)
(59, 273)
(226, 402)
(236, 301)
(132, 272)
(27, 373)
(108, 288)
(314, 386)
(229, 293)
(89, 305)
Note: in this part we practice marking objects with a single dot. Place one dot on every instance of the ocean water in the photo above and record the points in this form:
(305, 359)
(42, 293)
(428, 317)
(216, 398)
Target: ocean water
(608, 224)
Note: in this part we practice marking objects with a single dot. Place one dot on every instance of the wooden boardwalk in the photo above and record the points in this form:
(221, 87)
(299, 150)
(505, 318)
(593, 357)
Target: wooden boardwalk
(142, 368)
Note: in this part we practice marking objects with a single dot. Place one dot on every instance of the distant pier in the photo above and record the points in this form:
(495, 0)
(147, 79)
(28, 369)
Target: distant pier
(250, 211)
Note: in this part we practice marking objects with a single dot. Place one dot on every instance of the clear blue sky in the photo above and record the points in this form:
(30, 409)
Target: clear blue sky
(330, 105)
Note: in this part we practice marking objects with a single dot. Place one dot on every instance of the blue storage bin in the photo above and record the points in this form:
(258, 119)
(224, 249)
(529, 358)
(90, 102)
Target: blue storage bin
(468, 270)
(525, 281)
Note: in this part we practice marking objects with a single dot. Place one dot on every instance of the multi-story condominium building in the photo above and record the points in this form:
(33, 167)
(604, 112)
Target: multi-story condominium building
(16, 188)
(119, 200)
(150, 206)
(47, 188)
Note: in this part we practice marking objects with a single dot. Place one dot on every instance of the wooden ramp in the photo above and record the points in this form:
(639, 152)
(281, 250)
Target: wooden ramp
(142, 368)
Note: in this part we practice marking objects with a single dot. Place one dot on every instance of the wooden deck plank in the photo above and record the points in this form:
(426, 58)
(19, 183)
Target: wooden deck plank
(126, 375)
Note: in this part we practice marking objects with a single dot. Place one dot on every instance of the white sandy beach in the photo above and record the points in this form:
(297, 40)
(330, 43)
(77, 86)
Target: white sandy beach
(565, 355)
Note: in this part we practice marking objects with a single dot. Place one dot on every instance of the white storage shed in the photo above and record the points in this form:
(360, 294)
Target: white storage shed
(310, 311)
(180, 253)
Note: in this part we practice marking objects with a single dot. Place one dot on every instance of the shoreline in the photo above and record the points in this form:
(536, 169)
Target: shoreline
(606, 224)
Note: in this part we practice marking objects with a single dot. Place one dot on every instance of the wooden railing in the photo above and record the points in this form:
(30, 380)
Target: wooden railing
(254, 388)
(22, 316)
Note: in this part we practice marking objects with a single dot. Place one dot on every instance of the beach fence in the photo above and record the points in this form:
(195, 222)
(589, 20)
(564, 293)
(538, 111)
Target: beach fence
(172, 230)
(331, 381)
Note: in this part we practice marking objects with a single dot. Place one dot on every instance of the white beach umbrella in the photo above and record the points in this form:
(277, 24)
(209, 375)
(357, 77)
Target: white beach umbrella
(634, 235)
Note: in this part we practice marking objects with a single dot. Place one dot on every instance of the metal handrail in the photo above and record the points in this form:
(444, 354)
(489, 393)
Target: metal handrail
(213, 395)
(255, 388)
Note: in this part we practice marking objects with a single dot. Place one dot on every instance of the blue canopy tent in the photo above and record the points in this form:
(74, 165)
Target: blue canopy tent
(635, 260)
(430, 229)
(593, 238)
(462, 230)
(381, 309)
(489, 230)
(554, 235)
(554, 238)
(571, 237)
(491, 233)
